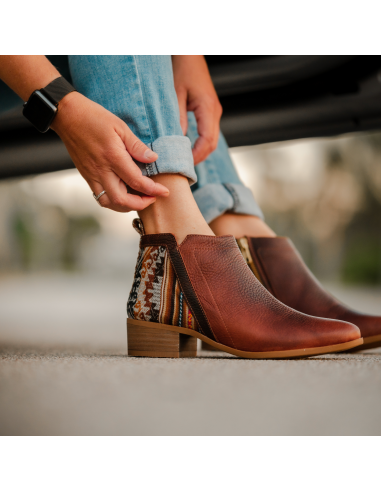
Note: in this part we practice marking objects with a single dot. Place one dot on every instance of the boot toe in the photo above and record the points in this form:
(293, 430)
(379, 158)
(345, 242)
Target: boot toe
(369, 326)
(341, 332)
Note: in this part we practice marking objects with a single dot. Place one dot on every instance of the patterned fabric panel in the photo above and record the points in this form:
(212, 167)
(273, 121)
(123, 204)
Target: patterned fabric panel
(135, 286)
(156, 295)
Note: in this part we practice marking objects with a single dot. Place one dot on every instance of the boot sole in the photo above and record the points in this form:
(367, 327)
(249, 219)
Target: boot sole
(369, 343)
(148, 339)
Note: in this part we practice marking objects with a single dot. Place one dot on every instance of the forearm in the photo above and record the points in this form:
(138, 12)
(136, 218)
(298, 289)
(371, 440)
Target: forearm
(26, 73)
(189, 70)
(187, 59)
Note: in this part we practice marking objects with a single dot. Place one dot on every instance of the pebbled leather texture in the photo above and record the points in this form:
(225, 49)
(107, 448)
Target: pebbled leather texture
(287, 277)
(241, 312)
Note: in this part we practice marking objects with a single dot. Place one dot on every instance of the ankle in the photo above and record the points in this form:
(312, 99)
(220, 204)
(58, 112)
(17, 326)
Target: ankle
(176, 213)
(241, 225)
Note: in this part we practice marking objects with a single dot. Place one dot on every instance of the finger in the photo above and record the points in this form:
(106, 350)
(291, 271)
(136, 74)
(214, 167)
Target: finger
(136, 148)
(97, 188)
(117, 198)
(121, 200)
(131, 174)
(201, 150)
(131, 204)
(104, 201)
(182, 100)
(208, 128)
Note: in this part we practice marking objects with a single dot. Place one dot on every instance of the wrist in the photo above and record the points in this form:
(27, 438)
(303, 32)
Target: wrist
(42, 106)
(67, 108)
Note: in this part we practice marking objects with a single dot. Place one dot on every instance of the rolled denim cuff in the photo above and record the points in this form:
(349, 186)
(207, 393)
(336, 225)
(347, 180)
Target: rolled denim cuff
(215, 199)
(175, 157)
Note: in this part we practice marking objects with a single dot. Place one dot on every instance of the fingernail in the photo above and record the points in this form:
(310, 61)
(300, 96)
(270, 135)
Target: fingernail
(149, 154)
(164, 191)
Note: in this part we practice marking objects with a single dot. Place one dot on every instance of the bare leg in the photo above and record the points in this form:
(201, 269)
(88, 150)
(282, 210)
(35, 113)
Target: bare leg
(240, 225)
(177, 213)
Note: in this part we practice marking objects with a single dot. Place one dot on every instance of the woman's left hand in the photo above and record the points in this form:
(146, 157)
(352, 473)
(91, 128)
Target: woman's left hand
(195, 92)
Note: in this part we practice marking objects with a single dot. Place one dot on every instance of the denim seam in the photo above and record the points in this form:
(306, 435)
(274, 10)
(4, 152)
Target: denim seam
(151, 166)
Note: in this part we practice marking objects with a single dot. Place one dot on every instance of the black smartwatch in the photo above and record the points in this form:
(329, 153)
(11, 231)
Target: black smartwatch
(42, 106)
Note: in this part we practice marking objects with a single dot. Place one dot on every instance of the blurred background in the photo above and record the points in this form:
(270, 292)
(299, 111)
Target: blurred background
(66, 264)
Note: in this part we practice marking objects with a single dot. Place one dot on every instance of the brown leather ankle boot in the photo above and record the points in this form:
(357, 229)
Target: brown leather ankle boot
(204, 289)
(278, 266)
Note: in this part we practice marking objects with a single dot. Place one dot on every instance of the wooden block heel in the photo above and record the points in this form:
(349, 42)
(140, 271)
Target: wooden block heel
(143, 341)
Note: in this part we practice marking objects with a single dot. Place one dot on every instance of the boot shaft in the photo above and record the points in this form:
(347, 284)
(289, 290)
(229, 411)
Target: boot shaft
(156, 295)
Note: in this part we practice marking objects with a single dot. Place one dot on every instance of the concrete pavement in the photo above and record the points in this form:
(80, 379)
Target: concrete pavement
(63, 370)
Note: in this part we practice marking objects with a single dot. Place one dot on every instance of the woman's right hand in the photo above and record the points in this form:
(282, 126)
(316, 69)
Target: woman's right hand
(102, 146)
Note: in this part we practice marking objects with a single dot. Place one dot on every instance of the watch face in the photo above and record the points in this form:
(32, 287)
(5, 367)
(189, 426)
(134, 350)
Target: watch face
(39, 111)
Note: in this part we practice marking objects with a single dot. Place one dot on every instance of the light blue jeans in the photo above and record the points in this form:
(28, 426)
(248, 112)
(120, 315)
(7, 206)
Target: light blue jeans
(140, 91)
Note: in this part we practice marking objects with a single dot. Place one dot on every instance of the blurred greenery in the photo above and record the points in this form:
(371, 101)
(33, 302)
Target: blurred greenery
(50, 238)
(24, 238)
(362, 262)
(79, 228)
(362, 246)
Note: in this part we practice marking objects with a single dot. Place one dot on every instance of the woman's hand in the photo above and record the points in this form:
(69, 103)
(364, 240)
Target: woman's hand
(195, 92)
(102, 146)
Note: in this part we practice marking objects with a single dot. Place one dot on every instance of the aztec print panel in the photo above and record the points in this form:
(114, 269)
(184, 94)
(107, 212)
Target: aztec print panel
(155, 295)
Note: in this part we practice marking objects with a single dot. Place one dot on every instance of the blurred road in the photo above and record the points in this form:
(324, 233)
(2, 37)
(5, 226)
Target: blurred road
(64, 370)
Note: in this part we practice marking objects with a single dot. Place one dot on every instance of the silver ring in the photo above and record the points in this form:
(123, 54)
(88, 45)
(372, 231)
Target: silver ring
(97, 197)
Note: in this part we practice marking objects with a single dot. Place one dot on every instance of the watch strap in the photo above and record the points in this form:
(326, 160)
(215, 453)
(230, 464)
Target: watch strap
(57, 89)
